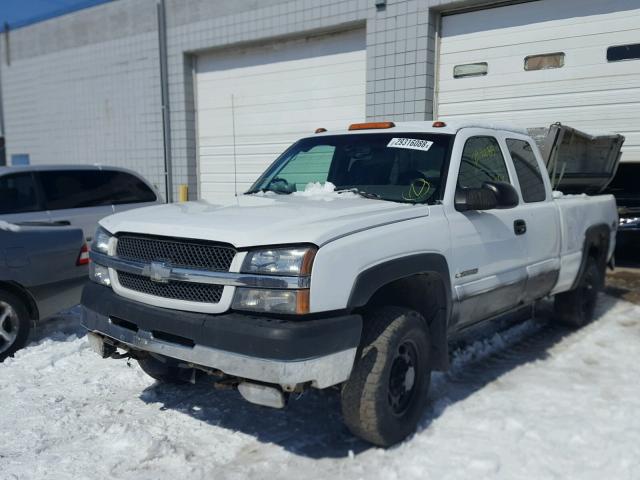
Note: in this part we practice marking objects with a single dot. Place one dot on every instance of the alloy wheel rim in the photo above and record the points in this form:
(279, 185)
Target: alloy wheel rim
(8, 326)
(403, 378)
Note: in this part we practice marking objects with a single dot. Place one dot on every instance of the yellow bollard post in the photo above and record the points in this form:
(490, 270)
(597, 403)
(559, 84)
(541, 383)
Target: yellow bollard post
(183, 193)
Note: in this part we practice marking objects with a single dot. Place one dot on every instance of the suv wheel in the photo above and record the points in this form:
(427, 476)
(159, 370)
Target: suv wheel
(14, 324)
(385, 395)
(576, 307)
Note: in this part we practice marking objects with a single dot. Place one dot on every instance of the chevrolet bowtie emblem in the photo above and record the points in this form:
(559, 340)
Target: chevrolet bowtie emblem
(159, 272)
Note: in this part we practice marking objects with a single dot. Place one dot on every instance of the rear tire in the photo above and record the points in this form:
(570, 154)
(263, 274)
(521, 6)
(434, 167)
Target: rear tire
(385, 395)
(165, 371)
(15, 324)
(576, 307)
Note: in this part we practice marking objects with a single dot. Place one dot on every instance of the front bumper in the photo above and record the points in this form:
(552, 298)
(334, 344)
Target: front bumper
(278, 351)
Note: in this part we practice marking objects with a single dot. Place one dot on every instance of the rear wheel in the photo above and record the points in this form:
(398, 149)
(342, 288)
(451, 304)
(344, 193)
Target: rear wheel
(14, 324)
(164, 370)
(576, 307)
(385, 395)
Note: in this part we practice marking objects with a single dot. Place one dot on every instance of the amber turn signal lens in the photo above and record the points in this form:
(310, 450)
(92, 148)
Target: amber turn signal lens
(302, 302)
(371, 125)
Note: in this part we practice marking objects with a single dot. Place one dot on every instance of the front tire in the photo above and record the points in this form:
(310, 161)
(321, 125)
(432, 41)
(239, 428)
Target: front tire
(385, 395)
(576, 307)
(15, 324)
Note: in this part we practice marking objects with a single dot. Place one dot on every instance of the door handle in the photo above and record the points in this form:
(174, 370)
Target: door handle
(520, 227)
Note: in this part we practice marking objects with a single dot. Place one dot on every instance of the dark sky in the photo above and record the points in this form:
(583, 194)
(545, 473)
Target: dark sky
(22, 12)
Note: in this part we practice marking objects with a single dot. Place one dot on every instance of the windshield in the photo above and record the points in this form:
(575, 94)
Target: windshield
(401, 167)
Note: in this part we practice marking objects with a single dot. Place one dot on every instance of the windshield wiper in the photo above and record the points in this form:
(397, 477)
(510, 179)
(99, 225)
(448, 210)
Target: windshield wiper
(362, 193)
(266, 189)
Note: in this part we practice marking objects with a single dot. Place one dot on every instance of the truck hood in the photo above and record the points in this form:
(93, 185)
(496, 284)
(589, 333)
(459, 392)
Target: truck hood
(253, 220)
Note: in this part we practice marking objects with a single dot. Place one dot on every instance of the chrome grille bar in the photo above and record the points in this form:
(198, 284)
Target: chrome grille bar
(179, 274)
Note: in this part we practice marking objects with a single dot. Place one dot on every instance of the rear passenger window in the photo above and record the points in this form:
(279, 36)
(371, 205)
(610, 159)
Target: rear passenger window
(75, 188)
(482, 161)
(18, 194)
(127, 188)
(529, 176)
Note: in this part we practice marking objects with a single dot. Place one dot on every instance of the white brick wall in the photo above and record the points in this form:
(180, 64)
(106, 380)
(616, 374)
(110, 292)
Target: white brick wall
(85, 87)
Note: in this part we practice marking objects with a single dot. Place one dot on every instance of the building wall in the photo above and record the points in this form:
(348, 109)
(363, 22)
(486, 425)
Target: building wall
(85, 87)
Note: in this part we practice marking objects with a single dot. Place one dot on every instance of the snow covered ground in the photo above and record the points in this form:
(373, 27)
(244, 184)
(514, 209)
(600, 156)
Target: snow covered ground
(536, 402)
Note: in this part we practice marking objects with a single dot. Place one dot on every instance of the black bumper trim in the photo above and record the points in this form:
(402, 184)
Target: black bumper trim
(254, 336)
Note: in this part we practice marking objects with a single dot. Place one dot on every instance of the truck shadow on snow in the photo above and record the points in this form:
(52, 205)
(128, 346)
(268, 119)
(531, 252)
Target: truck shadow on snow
(311, 425)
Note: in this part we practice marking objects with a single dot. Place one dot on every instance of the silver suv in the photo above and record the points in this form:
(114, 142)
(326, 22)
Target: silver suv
(77, 195)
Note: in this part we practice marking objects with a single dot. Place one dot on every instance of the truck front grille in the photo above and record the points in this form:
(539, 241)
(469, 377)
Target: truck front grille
(178, 252)
(192, 292)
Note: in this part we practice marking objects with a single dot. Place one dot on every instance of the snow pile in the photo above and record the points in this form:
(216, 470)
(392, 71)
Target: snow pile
(8, 227)
(535, 402)
(323, 191)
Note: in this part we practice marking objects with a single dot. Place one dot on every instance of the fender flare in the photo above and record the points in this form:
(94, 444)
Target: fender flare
(595, 235)
(374, 278)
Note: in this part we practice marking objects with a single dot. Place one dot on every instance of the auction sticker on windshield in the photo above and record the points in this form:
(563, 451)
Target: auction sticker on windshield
(411, 143)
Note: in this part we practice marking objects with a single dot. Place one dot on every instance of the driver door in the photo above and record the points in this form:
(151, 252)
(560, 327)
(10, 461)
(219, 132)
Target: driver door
(488, 258)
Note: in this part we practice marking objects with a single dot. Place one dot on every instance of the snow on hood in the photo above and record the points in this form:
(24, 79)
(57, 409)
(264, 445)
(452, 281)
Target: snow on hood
(268, 219)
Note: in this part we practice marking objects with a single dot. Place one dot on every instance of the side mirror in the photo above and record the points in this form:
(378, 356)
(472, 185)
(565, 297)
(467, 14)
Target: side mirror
(491, 195)
(506, 194)
(475, 199)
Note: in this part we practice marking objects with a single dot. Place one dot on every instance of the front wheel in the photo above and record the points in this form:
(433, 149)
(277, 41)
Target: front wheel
(576, 307)
(385, 395)
(14, 324)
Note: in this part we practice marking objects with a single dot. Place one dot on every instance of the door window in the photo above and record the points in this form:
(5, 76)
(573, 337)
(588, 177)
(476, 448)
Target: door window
(18, 194)
(529, 176)
(75, 189)
(482, 161)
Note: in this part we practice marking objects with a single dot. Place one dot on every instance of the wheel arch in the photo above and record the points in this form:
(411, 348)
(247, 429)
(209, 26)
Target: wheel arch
(21, 292)
(420, 282)
(596, 245)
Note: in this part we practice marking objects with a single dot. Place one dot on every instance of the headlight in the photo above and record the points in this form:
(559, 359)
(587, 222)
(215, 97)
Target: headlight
(101, 241)
(291, 261)
(291, 302)
(99, 274)
(280, 261)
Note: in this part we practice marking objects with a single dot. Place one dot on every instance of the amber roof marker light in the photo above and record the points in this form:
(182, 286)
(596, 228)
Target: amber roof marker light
(371, 125)
(320, 130)
(438, 124)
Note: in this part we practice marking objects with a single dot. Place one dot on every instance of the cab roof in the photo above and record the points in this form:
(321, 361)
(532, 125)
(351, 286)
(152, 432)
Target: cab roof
(450, 127)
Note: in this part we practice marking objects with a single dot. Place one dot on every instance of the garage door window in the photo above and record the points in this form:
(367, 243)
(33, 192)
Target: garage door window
(529, 176)
(623, 52)
(544, 62)
(482, 161)
(470, 70)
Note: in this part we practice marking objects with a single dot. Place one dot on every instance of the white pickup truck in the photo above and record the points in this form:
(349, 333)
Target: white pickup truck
(353, 262)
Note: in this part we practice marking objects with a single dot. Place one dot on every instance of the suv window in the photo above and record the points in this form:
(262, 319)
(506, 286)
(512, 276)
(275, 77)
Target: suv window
(18, 194)
(127, 188)
(482, 161)
(91, 188)
(529, 176)
(75, 189)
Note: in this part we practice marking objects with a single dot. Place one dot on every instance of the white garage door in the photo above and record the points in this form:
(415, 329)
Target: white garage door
(273, 95)
(583, 66)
